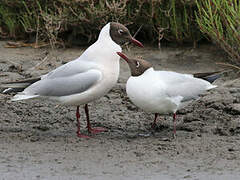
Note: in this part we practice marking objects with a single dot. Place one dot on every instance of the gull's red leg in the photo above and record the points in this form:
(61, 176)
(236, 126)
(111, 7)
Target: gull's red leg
(174, 125)
(90, 129)
(78, 125)
(155, 121)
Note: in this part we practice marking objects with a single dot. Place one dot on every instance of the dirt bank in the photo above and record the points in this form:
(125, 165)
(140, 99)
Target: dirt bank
(38, 140)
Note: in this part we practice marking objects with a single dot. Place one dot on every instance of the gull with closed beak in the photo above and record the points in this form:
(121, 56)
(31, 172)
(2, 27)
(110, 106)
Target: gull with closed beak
(84, 79)
(164, 92)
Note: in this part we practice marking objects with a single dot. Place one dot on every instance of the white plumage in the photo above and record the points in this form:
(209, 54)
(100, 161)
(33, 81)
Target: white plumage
(164, 92)
(82, 80)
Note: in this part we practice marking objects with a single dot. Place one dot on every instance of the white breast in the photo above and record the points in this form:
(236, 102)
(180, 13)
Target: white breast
(148, 93)
(164, 91)
(107, 61)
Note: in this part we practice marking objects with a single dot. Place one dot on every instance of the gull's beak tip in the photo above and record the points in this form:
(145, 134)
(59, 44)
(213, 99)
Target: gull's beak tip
(122, 56)
(136, 42)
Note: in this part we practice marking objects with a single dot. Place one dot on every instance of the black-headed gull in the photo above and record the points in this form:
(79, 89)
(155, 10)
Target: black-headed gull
(84, 79)
(163, 92)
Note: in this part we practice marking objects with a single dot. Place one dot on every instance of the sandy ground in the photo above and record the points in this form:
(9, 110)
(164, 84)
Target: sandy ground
(38, 140)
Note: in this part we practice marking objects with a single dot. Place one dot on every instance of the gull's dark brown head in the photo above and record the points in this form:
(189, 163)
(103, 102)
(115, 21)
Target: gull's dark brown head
(120, 34)
(137, 66)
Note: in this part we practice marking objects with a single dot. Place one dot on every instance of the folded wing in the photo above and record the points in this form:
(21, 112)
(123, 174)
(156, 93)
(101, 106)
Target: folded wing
(64, 85)
(184, 85)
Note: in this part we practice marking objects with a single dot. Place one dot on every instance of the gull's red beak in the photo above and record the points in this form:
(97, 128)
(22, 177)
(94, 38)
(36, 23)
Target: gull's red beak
(123, 56)
(136, 42)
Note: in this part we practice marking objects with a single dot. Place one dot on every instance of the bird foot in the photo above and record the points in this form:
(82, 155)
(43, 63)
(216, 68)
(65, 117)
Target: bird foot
(154, 126)
(96, 130)
(174, 136)
(82, 135)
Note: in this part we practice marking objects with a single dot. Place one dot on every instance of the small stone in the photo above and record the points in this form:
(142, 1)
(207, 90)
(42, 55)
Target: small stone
(34, 139)
(138, 154)
(132, 107)
(42, 128)
(187, 176)
(235, 109)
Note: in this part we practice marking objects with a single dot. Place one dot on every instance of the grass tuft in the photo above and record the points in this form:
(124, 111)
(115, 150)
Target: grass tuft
(71, 20)
(220, 20)
(66, 22)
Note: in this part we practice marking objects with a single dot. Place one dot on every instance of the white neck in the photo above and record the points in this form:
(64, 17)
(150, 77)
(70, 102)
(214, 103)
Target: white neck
(104, 49)
(105, 37)
(105, 32)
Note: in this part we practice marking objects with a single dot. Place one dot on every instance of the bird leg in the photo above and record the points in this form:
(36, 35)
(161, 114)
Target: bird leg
(174, 125)
(90, 129)
(78, 125)
(155, 121)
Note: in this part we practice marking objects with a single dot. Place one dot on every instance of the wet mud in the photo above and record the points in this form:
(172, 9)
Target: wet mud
(38, 138)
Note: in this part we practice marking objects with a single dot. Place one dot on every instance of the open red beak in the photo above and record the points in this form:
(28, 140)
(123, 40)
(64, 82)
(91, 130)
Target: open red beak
(133, 40)
(123, 56)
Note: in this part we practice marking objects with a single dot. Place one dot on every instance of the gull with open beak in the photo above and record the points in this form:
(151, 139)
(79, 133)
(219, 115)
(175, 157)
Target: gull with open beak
(164, 92)
(84, 79)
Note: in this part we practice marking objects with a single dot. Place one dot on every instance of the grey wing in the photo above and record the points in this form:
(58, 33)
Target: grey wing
(184, 85)
(70, 68)
(187, 89)
(63, 86)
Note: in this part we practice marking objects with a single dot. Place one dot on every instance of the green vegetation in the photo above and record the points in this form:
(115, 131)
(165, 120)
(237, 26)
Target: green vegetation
(179, 21)
(59, 20)
(220, 20)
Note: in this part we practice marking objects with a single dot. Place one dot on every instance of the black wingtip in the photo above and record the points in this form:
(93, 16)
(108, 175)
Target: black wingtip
(212, 78)
(12, 90)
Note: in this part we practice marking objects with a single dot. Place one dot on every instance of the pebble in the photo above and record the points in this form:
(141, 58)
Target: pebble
(235, 109)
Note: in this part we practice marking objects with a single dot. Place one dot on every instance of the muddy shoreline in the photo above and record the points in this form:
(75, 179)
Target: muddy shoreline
(38, 139)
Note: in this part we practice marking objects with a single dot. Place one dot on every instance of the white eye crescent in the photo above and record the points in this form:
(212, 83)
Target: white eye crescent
(137, 64)
(120, 31)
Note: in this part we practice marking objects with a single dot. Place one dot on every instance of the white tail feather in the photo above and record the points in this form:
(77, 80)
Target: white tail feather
(211, 87)
(7, 90)
(19, 97)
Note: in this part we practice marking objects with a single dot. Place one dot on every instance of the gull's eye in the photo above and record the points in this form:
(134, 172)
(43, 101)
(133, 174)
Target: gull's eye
(120, 31)
(137, 64)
